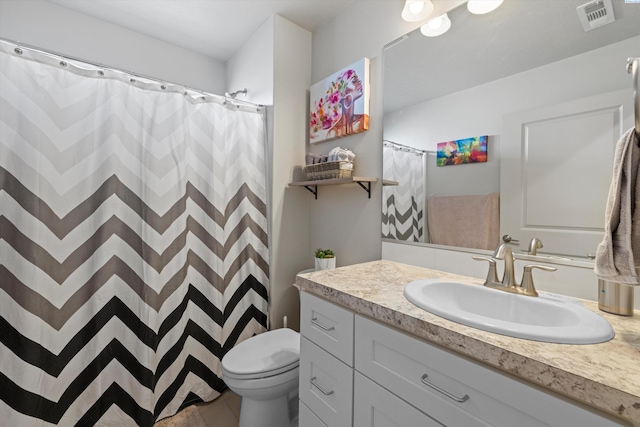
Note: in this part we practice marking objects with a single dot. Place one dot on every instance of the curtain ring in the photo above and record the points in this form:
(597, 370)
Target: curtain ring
(132, 80)
(63, 64)
(163, 87)
(101, 73)
(18, 51)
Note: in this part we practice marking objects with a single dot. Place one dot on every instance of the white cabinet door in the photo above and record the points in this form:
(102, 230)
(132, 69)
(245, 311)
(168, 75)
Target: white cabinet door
(327, 325)
(307, 418)
(556, 165)
(376, 407)
(456, 391)
(326, 385)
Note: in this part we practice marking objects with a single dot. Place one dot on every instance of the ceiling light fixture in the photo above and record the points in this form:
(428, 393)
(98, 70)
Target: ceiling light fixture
(437, 26)
(416, 10)
(480, 7)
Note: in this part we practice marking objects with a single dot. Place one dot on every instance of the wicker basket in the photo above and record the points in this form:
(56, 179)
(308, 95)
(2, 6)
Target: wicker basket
(328, 170)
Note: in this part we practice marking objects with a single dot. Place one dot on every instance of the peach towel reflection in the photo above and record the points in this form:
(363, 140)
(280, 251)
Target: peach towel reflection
(470, 221)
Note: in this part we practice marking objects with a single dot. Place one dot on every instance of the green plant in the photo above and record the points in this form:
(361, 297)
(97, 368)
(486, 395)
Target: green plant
(324, 253)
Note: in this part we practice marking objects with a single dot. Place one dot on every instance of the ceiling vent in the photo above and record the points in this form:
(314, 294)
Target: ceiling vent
(399, 40)
(595, 14)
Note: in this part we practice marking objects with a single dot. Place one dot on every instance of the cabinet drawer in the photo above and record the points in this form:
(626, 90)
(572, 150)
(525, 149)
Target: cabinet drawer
(374, 406)
(456, 391)
(327, 325)
(326, 385)
(307, 418)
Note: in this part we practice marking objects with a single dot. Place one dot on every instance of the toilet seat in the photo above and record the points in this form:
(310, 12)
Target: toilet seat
(265, 355)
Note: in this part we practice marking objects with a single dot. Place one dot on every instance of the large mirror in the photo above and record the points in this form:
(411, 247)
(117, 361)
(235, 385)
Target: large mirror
(552, 99)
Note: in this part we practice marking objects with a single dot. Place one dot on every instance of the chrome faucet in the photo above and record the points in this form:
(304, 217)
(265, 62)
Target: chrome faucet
(505, 253)
(534, 245)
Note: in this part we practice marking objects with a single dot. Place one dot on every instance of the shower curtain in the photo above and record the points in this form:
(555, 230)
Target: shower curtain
(403, 204)
(133, 242)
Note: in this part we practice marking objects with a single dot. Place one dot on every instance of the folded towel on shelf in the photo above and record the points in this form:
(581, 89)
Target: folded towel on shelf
(341, 155)
(618, 256)
(470, 221)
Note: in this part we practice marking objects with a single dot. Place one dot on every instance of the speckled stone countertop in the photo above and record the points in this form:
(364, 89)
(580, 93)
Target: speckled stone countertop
(605, 376)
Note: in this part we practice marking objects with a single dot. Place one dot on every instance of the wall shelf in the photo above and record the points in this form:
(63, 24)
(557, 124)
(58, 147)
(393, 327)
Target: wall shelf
(388, 182)
(312, 186)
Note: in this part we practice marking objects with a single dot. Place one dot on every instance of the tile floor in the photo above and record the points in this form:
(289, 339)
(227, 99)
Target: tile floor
(222, 412)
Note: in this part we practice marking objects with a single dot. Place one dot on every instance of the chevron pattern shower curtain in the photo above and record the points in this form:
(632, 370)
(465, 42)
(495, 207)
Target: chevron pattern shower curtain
(133, 243)
(403, 204)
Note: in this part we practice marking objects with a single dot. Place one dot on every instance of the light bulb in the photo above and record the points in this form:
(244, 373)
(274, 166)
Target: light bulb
(416, 10)
(435, 23)
(416, 7)
(480, 7)
(437, 26)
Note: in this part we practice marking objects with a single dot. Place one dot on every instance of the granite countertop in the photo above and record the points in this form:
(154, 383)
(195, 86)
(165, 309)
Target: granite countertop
(605, 376)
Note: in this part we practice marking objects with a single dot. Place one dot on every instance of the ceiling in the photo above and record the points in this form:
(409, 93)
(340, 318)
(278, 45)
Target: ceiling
(215, 28)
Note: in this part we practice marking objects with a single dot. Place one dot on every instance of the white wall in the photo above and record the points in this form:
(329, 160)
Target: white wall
(343, 218)
(52, 27)
(252, 66)
(290, 205)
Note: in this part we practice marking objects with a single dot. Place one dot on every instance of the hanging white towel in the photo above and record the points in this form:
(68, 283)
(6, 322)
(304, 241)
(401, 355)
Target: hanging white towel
(618, 256)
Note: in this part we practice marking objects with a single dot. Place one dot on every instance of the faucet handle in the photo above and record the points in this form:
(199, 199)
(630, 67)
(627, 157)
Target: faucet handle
(492, 274)
(527, 285)
(508, 239)
(534, 245)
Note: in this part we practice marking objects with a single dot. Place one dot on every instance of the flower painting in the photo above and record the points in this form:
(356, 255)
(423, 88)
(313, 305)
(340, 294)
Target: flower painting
(339, 104)
(461, 151)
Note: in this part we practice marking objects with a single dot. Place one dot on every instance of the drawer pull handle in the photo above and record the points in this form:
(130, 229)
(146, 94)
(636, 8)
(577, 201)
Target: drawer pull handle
(323, 391)
(446, 393)
(321, 326)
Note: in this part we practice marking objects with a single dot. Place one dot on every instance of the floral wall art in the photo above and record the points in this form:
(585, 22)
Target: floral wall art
(339, 104)
(461, 151)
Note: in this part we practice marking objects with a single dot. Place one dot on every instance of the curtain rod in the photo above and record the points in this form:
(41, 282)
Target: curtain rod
(131, 73)
(405, 147)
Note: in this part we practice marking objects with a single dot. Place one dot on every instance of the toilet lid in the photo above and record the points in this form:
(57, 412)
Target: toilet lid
(267, 354)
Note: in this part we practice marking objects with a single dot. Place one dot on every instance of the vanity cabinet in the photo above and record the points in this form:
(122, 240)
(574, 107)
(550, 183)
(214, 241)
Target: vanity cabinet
(307, 418)
(326, 363)
(374, 406)
(398, 379)
(455, 390)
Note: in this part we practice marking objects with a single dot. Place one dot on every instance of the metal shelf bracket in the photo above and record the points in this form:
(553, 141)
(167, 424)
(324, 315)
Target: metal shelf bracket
(314, 191)
(366, 188)
(312, 186)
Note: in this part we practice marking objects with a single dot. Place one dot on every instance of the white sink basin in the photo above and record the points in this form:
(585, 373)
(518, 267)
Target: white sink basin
(542, 318)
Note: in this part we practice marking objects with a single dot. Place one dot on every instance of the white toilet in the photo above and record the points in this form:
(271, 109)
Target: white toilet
(263, 370)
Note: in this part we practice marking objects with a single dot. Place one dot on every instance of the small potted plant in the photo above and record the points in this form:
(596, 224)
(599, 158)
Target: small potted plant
(325, 259)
